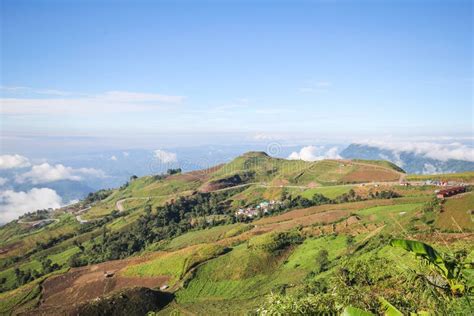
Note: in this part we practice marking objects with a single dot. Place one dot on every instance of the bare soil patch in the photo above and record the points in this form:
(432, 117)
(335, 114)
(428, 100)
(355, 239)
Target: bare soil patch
(280, 182)
(84, 284)
(201, 175)
(367, 175)
(6, 249)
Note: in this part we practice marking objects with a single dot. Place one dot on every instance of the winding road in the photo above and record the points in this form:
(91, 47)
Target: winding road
(34, 223)
(119, 205)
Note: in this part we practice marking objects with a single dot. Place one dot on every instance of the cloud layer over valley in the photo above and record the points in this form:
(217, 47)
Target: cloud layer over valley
(438, 151)
(45, 173)
(14, 204)
(13, 162)
(26, 186)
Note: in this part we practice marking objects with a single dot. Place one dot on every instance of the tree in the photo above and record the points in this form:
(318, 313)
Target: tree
(76, 260)
(78, 245)
(322, 260)
(173, 171)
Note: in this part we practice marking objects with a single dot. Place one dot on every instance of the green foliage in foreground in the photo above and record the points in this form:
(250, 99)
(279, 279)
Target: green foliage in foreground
(453, 270)
(370, 284)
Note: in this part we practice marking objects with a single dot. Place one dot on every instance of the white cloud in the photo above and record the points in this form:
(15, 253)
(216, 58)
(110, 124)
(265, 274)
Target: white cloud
(23, 90)
(111, 101)
(13, 162)
(125, 96)
(113, 158)
(313, 153)
(45, 173)
(3, 181)
(315, 86)
(14, 204)
(165, 156)
(126, 154)
(263, 137)
(432, 150)
(396, 159)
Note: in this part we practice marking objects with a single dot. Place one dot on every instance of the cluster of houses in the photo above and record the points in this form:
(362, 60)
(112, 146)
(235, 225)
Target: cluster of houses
(262, 208)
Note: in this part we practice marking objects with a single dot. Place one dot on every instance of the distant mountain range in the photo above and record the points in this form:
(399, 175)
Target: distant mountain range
(118, 165)
(409, 161)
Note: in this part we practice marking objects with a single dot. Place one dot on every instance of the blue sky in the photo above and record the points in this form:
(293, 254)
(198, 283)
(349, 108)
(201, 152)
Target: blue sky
(185, 72)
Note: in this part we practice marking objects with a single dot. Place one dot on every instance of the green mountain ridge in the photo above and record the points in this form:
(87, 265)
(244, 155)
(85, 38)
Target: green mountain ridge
(322, 246)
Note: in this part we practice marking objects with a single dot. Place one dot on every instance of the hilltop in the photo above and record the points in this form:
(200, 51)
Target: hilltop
(299, 224)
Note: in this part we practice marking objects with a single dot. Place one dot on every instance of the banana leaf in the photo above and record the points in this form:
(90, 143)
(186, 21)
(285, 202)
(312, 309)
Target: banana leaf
(353, 311)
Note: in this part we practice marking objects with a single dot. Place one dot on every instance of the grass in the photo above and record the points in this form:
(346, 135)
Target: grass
(35, 264)
(13, 231)
(383, 163)
(213, 307)
(14, 300)
(236, 280)
(9, 274)
(174, 264)
(462, 176)
(240, 274)
(330, 192)
(206, 236)
(63, 257)
(146, 187)
(67, 225)
(23, 298)
(304, 255)
(456, 213)
(250, 196)
(384, 213)
(244, 274)
(237, 230)
(326, 172)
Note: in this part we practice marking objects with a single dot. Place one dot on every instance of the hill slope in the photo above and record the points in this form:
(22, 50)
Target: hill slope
(181, 233)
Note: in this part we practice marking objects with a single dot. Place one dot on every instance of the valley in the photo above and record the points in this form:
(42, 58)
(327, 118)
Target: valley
(179, 234)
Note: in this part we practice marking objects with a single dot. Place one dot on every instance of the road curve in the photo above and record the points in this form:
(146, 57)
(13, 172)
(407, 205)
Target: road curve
(20, 221)
(119, 204)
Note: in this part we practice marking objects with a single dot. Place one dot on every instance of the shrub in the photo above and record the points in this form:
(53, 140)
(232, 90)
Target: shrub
(274, 242)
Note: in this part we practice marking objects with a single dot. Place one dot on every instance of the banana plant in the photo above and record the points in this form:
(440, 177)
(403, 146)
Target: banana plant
(450, 269)
(354, 311)
(388, 310)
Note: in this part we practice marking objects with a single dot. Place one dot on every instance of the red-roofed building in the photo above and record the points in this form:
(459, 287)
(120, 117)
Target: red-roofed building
(450, 192)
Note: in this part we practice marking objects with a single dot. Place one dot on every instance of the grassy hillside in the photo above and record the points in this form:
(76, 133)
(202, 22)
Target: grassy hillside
(463, 177)
(259, 167)
(383, 163)
(175, 264)
(333, 223)
(457, 213)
